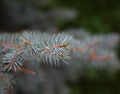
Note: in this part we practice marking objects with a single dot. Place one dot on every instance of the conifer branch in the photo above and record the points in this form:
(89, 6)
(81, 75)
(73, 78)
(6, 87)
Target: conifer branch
(36, 45)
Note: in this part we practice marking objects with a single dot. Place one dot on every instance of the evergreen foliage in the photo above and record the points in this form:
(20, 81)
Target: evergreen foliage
(30, 48)
(48, 48)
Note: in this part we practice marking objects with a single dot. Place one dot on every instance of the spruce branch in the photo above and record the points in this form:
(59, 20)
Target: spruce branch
(5, 84)
(44, 47)
(13, 60)
(21, 49)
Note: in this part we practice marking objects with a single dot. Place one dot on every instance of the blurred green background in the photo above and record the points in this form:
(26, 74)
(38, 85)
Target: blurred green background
(101, 16)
